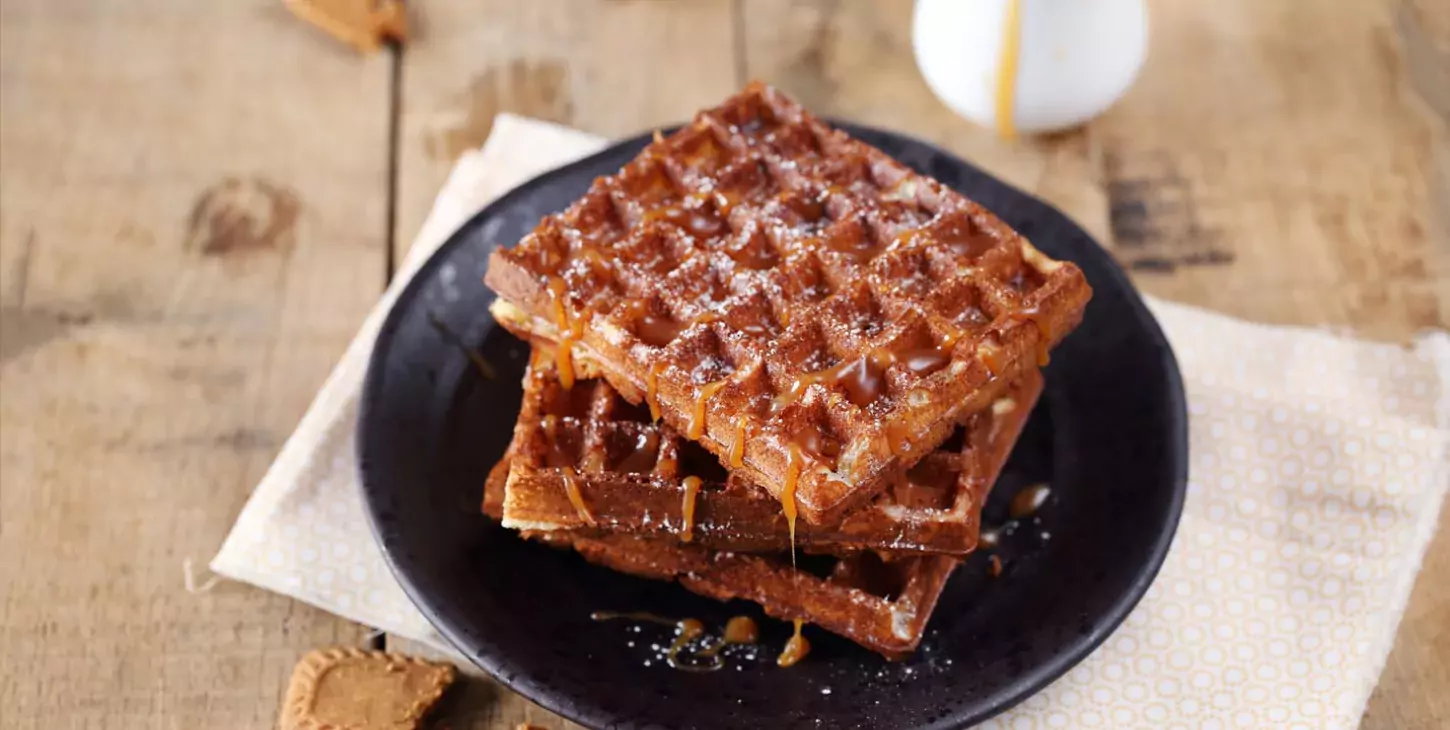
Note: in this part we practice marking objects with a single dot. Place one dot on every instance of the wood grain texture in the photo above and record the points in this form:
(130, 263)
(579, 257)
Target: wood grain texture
(605, 66)
(1272, 162)
(192, 226)
(477, 702)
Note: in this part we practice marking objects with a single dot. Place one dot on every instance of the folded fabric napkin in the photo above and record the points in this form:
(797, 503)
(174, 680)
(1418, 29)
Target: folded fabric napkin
(1318, 464)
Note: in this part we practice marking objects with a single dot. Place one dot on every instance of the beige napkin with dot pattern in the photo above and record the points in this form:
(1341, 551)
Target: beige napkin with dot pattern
(1318, 464)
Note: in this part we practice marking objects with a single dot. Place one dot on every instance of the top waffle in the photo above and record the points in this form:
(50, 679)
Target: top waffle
(759, 278)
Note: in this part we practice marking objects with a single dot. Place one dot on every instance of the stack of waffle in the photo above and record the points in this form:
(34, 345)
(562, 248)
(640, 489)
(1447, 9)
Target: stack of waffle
(761, 337)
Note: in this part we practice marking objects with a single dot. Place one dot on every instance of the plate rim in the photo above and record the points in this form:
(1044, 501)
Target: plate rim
(1023, 686)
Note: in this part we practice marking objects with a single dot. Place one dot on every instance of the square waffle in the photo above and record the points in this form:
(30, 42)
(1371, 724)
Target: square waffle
(769, 285)
(880, 602)
(584, 459)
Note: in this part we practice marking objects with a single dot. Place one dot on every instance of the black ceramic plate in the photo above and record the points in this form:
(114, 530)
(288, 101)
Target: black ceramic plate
(1109, 436)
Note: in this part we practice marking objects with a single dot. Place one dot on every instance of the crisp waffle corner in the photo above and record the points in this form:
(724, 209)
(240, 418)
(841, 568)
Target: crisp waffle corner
(772, 363)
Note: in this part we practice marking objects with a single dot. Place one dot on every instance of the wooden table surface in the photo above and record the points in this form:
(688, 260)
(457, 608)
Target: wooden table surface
(200, 201)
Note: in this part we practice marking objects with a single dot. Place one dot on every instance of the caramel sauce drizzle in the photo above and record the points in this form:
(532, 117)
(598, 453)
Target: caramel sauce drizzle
(1044, 334)
(992, 357)
(688, 630)
(1007, 62)
(896, 439)
(796, 648)
(571, 488)
(741, 630)
(570, 330)
(864, 378)
(657, 331)
(1027, 501)
(697, 419)
(787, 495)
(651, 390)
(691, 629)
(737, 449)
(687, 508)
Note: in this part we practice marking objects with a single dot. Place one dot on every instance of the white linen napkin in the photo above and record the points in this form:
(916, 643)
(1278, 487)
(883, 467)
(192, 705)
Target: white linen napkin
(1318, 464)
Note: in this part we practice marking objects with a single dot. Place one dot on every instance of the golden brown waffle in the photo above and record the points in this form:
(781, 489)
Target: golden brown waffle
(880, 603)
(761, 279)
(585, 459)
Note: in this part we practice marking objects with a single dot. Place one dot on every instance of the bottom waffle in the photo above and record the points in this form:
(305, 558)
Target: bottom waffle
(584, 459)
(881, 603)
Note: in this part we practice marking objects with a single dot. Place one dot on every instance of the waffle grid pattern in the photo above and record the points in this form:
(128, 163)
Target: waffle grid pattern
(627, 472)
(757, 246)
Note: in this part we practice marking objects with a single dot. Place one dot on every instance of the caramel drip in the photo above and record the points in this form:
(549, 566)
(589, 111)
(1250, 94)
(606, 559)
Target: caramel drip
(564, 362)
(1044, 336)
(571, 488)
(661, 331)
(964, 238)
(864, 378)
(992, 357)
(667, 467)
(1027, 501)
(689, 630)
(558, 289)
(657, 331)
(741, 630)
(697, 419)
(687, 508)
(570, 329)
(796, 648)
(896, 438)
(787, 495)
(994, 566)
(737, 449)
(820, 445)
(651, 390)
(1007, 71)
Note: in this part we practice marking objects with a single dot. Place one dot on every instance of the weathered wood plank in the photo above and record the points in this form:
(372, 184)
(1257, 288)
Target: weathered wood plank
(1273, 163)
(192, 224)
(608, 67)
